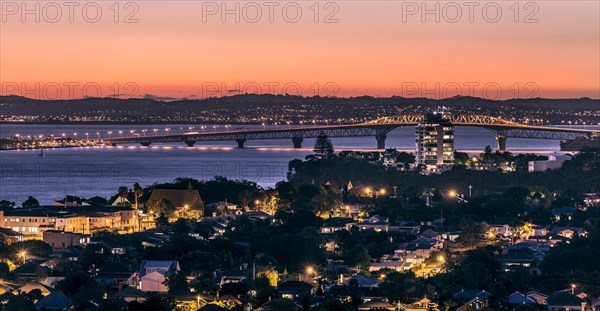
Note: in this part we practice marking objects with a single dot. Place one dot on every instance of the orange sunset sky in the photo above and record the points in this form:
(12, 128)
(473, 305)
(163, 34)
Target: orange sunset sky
(176, 49)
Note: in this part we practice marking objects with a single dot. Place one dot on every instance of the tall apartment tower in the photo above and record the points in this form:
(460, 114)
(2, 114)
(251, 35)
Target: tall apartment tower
(435, 142)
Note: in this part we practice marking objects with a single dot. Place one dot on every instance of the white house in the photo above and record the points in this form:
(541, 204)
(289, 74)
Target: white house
(153, 274)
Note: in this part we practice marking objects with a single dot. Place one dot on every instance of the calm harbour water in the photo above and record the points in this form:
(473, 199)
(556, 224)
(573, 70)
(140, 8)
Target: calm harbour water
(87, 172)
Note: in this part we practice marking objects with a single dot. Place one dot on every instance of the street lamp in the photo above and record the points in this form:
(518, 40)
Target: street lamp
(23, 255)
(452, 193)
(573, 289)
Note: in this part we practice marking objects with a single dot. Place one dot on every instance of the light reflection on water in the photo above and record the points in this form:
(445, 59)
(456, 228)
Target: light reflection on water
(90, 171)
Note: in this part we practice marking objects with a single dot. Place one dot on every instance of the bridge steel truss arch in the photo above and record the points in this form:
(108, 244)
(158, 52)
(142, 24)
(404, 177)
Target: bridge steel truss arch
(378, 131)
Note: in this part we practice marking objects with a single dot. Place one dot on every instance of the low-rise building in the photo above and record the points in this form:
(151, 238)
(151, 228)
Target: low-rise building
(62, 239)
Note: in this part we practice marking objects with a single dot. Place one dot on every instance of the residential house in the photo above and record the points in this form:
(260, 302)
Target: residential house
(44, 289)
(523, 257)
(153, 274)
(62, 239)
(56, 301)
(423, 304)
(569, 232)
(376, 223)
(376, 305)
(113, 273)
(565, 301)
(394, 265)
(294, 289)
(539, 298)
(517, 298)
(563, 213)
(363, 282)
(222, 207)
(11, 235)
(31, 270)
(334, 224)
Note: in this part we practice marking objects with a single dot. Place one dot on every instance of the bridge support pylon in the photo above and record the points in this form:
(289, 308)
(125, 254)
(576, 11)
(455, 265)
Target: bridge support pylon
(297, 142)
(381, 140)
(501, 139)
(240, 142)
(190, 143)
(145, 143)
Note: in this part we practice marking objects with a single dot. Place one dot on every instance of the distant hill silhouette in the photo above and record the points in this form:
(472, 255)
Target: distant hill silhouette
(266, 104)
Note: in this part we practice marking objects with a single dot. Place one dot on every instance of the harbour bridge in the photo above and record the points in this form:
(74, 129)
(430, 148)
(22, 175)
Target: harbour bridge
(379, 128)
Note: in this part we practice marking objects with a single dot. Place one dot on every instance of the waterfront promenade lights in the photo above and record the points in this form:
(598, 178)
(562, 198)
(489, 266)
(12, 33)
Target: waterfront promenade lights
(87, 136)
(301, 124)
(203, 128)
(110, 134)
(98, 134)
(121, 133)
(144, 132)
(215, 128)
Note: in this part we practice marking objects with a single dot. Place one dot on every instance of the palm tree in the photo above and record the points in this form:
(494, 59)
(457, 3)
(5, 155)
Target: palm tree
(137, 192)
(122, 193)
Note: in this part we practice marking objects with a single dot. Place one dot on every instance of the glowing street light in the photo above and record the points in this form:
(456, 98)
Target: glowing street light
(23, 255)
(573, 289)
(452, 193)
(310, 270)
